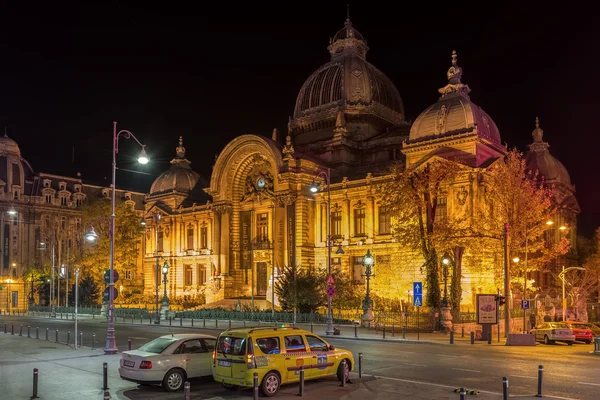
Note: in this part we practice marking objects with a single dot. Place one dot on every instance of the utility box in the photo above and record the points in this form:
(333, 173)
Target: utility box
(520, 339)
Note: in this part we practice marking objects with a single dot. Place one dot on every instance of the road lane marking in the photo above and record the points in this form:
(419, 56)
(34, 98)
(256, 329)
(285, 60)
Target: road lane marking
(587, 383)
(454, 387)
(524, 376)
(467, 370)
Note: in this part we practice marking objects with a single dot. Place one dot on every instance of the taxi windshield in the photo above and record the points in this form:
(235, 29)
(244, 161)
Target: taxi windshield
(232, 345)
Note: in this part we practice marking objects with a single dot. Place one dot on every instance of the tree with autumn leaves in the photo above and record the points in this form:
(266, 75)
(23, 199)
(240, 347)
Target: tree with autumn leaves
(513, 195)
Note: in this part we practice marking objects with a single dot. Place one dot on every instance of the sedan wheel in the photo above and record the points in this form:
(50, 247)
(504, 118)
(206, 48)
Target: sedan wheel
(173, 380)
(547, 340)
(270, 384)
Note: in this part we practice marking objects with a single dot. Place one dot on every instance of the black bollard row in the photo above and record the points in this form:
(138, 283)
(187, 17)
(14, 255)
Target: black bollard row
(360, 360)
(105, 377)
(451, 337)
(35, 384)
(255, 388)
(301, 383)
(504, 388)
(463, 393)
(540, 376)
(187, 391)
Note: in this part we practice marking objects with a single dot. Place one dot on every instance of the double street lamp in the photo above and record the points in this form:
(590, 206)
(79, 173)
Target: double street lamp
(111, 342)
(326, 175)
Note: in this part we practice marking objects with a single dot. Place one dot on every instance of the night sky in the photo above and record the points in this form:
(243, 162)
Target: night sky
(212, 73)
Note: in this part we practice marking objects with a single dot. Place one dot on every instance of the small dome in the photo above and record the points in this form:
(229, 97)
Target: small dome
(539, 158)
(454, 113)
(178, 178)
(7, 145)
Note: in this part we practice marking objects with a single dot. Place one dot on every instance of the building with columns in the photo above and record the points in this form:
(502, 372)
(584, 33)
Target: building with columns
(227, 237)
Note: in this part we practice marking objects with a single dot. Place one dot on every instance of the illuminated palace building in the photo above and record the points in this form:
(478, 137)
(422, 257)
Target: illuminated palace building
(222, 238)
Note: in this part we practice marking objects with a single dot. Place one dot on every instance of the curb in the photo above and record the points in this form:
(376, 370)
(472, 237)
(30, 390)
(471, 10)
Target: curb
(407, 341)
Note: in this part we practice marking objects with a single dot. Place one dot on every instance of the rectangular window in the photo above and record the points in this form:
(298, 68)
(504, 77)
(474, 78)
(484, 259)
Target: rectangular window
(385, 222)
(49, 199)
(78, 202)
(357, 269)
(201, 275)
(359, 222)
(16, 195)
(63, 223)
(262, 227)
(128, 274)
(294, 344)
(268, 345)
(190, 238)
(204, 237)
(441, 211)
(160, 241)
(63, 201)
(188, 275)
(336, 223)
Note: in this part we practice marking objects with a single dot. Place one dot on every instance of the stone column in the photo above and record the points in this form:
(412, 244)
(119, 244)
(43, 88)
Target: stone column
(217, 239)
(224, 253)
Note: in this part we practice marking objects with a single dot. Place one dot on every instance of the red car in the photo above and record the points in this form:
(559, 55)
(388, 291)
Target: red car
(581, 331)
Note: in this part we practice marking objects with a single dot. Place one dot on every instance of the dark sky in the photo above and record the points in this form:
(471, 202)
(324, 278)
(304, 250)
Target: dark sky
(214, 72)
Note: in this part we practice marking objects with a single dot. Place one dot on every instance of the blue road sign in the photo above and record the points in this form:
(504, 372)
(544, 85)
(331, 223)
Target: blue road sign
(525, 304)
(417, 294)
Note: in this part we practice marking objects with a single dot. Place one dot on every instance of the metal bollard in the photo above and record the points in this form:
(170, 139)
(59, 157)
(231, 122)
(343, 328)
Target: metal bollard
(141, 319)
(21, 331)
(37, 332)
(204, 322)
(489, 337)
(463, 393)
(403, 333)
(384, 331)
(186, 391)
(106, 395)
(12, 329)
(35, 384)
(301, 385)
(504, 388)
(181, 322)
(105, 376)
(46, 334)
(80, 339)
(217, 323)
(193, 323)
(311, 327)
(472, 337)
(93, 341)
(360, 360)
(68, 337)
(56, 337)
(128, 343)
(344, 372)
(255, 388)
(28, 331)
(462, 334)
(229, 324)
(393, 333)
(5, 327)
(355, 330)
(451, 337)
(540, 376)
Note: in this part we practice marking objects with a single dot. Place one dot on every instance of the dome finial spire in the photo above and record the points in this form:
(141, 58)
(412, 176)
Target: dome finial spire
(348, 12)
(538, 133)
(180, 150)
(5, 131)
(454, 75)
(537, 122)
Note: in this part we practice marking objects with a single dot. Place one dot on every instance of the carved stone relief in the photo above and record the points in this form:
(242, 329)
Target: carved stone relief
(462, 195)
(440, 121)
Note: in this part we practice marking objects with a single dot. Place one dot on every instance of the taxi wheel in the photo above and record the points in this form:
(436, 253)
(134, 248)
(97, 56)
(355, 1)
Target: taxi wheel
(341, 372)
(173, 380)
(270, 384)
(229, 386)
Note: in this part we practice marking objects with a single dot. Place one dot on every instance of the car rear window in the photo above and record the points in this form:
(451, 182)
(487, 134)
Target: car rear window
(559, 325)
(579, 326)
(157, 345)
(232, 345)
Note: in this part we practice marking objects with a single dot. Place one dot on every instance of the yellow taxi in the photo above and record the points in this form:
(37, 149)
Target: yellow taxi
(276, 354)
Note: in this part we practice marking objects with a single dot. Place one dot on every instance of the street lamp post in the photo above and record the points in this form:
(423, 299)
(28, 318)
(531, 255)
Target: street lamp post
(368, 262)
(165, 299)
(111, 342)
(314, 189)
(76, 302)
(445, 265)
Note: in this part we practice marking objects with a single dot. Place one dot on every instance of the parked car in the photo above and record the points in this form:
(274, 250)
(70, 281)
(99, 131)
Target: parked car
(581, 331)
(169, 360)
(550, 332)
(276, 354)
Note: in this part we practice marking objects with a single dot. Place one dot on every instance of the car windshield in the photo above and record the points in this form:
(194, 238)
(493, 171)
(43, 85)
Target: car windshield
(232, 345)
(158, 345)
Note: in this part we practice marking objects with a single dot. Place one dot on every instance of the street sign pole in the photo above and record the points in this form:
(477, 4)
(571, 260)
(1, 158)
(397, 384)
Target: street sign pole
(418, 302)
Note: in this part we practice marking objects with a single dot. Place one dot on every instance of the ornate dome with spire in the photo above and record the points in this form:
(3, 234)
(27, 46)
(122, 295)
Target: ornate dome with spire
(539, 158)
(348, 83)
(178, 178)
(9, 146)
(454, 113)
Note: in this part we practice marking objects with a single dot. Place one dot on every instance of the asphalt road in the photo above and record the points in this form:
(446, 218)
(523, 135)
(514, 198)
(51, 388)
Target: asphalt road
(569, 371)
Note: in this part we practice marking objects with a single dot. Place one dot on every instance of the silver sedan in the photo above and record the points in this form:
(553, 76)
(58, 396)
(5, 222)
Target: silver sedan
(550, 332)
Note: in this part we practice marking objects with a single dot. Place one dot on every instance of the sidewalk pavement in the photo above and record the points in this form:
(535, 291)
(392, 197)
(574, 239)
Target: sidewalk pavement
(346, 331)
(66, 373)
